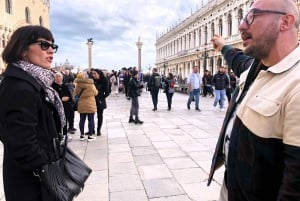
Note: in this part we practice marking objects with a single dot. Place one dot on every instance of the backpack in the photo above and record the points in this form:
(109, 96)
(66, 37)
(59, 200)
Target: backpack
(172, 84)
(157, 81)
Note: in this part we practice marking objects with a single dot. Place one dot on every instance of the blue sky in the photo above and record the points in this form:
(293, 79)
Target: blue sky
(115, 26)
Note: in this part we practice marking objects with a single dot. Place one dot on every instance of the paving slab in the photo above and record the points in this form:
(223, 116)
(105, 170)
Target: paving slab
(165, 159)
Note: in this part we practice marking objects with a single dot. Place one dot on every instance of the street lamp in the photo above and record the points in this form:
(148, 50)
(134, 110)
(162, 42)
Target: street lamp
(204, 56)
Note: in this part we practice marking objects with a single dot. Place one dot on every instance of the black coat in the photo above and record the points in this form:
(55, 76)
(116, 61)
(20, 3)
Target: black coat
(133, 88)
(151, 83)
(102, 86)
(62, 91)
(28, 125)
(221, 81)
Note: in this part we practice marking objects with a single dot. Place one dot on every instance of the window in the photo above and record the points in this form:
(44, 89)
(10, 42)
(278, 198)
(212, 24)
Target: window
(212, 29)
(190, 38)
(221, 27)
(199, 37)
(219, 62)
(8, 7)
(205, 35)
(194, 45)
(3, 41)
(229, 20)
(27, 15)
(240, 16)
(41, 21)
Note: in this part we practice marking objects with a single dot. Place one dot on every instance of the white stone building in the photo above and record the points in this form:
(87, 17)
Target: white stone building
(188, 43)
(17, 13)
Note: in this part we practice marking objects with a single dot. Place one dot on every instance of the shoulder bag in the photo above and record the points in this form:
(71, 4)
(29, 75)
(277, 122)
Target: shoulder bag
(64, 179)
(76, 99)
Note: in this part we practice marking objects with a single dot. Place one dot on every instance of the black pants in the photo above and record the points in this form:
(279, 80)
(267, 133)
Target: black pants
(208, 90)
(69, 114)
(126, 89)
(228, 94)
(154, 95)
(100, 118)
(169, 99)
(134, 110)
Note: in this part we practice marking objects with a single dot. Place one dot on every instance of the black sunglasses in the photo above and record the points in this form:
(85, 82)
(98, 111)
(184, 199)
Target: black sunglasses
(249, 18)
(45, 45)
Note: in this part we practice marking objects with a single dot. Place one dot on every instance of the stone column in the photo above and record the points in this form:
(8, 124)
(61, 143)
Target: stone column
(90, 44)
(139, 45)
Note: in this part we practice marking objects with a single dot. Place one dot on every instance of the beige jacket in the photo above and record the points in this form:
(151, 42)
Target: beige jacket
(87, 102)
(271, 108)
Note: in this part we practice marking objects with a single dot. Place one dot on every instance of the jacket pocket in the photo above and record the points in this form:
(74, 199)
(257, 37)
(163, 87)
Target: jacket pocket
(264, 106)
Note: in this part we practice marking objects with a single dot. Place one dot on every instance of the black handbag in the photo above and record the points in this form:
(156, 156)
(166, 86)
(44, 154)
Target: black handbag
(64, 179)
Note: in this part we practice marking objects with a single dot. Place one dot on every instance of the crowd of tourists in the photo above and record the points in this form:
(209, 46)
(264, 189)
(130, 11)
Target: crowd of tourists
(258, 142)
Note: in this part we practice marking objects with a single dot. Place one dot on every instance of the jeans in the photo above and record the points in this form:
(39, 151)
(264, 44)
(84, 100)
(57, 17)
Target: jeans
(91, 123)
(194, 94)
(220, 95)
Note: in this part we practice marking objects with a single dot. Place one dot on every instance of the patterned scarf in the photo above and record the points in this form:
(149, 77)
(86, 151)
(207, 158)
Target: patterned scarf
(45, 78)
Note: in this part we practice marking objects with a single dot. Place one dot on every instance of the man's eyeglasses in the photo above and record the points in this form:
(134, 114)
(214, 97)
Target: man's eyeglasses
(249, 18)
(45, 45)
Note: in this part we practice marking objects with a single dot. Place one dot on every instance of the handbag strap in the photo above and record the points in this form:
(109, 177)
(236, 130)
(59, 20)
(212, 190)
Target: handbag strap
(80, 93)
(60, 147)
(64, 145)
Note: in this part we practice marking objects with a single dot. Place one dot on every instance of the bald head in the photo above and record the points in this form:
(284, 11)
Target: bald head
(288, 6)
(280, 19)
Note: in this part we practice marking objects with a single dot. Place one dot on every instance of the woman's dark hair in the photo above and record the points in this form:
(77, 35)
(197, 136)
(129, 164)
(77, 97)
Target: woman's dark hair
(135, 72)
(171, 76)
(100, 72)
(21, 39)
(102, 76)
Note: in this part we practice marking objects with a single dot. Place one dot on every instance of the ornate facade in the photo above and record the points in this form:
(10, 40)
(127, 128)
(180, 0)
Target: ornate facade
(16, 13)
(188, 43)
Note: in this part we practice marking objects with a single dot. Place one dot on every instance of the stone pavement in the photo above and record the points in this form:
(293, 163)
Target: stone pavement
(165, 159)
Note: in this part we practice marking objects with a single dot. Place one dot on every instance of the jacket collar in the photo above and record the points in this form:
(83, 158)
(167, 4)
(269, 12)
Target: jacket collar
(15, 72)
(287, 62)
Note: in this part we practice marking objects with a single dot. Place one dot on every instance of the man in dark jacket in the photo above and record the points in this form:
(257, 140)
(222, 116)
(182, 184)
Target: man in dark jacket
(207, 84)
(66, 98)
(221, 82)
(134, 93)
(153, 86)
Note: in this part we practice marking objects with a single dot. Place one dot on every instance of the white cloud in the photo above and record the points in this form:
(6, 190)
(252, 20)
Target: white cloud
(115, 26)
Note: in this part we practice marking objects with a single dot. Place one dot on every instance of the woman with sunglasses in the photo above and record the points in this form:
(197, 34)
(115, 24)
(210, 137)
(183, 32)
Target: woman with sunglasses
(31, 113)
